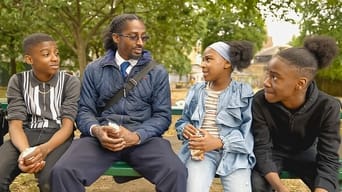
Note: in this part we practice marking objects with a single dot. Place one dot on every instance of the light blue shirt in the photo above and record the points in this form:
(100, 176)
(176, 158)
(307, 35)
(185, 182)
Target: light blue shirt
(234, 119)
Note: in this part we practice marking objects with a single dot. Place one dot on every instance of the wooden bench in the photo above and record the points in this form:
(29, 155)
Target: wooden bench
(121, 168)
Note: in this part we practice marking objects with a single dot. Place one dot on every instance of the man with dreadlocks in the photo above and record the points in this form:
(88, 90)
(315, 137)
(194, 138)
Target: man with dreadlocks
(143, 115)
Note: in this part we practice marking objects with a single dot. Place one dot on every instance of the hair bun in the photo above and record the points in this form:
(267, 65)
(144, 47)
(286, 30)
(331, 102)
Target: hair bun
(324, 49)
(241, 53)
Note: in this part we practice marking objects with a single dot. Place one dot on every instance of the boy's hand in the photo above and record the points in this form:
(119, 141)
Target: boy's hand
(32, 168)
(31, 160)
(320, 190)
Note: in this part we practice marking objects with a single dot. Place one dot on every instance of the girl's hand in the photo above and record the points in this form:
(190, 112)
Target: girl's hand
(204, 141)
(189, 131)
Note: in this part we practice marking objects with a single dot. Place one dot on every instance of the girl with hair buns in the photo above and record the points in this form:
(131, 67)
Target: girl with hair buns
(296, 126)
(216, 120)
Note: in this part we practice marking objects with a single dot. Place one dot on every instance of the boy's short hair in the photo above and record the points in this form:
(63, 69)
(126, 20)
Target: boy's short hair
(34, 39)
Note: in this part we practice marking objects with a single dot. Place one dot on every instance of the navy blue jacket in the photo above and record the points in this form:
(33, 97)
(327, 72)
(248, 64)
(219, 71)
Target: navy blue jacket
(146, 109)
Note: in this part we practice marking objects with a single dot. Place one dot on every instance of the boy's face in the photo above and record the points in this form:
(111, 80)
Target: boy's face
(131, 40)
(281, 82)
(44, 59)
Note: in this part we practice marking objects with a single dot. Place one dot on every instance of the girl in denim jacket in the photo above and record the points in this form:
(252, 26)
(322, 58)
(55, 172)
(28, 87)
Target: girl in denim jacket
(215, 124)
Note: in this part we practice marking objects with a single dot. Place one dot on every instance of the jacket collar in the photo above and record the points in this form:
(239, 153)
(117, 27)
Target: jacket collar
(109, 58)
(310, 99)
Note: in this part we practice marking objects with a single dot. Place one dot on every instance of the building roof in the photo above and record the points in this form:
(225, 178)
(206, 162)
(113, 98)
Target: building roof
(266, 54)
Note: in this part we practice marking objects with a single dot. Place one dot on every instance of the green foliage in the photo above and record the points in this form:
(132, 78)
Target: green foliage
(324, 18)
(225, 30)
(319, 17)
(174, 26)
(12, 29)
(233, 20)
(77, 24)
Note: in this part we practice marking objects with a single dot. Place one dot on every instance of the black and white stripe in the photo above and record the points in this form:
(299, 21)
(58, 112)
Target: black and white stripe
(43, 102)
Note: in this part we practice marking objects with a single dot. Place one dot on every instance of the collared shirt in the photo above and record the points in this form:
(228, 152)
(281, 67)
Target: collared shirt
(119, 60)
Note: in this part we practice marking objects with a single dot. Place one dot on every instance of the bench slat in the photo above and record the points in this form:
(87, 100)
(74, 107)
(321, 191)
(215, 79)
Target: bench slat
(121, 168)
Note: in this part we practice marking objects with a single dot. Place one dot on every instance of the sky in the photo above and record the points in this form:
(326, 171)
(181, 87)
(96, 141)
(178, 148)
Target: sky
(281, 32)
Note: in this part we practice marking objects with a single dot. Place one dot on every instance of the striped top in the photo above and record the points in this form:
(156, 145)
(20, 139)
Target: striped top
(42, 104)
(43, 101)
(209, 121)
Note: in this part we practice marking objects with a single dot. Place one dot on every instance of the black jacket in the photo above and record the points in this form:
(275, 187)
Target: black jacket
(275, 127)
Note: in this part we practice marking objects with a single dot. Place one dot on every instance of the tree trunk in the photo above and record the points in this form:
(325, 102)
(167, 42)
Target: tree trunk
(12, 64)
(81, 55)
(12, 67)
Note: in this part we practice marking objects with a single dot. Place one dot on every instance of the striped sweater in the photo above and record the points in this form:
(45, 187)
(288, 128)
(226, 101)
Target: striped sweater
(42, 104)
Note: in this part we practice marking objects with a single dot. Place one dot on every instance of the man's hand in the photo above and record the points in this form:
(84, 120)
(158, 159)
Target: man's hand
(131, 138)
(109, 138)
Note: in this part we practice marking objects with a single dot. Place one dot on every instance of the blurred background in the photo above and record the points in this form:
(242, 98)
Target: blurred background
(179, 31)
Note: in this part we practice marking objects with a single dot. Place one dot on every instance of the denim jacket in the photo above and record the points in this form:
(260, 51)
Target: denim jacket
(234, 118)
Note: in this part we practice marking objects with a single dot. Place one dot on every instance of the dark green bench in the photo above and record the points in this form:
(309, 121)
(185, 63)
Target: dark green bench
(123, 169)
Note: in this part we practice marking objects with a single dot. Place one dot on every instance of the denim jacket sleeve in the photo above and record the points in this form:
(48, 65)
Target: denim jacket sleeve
(189, 107)
(185, 119)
